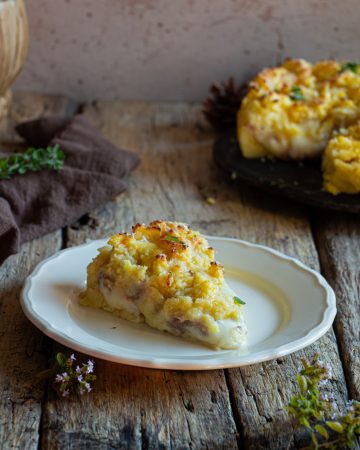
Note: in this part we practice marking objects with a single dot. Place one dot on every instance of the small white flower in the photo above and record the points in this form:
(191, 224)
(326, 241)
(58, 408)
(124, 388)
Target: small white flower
(90, 366)
(78, 369)
(71, 359)
(329, 371)
(59, 378)
(80, 378)
(334, 405)
(65, 393)
(87, 386)
(350, 405)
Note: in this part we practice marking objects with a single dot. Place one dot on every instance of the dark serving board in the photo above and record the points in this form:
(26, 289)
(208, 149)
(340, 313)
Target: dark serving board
(301, 182)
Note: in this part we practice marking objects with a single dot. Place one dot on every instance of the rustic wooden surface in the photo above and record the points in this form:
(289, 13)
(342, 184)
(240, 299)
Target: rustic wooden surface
(23, 349)
(142, 408)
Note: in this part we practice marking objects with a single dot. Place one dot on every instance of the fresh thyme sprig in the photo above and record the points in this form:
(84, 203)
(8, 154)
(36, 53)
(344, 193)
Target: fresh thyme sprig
(68, 378)
(33, 159)
(318, 412)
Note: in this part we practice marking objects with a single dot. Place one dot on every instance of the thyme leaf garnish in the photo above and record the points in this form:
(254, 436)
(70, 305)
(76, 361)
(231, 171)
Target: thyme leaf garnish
(296, 93)
(173, 239)
(239, 301)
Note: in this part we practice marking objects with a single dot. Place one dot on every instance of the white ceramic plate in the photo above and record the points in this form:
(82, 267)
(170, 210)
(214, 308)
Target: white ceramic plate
(288, 306)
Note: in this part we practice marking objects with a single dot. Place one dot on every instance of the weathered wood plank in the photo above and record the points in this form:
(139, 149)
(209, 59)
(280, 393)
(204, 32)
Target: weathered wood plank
(261, 391)
(137, 408)
(134, 407)
(23, 349)
(338, 243)
(174, 179)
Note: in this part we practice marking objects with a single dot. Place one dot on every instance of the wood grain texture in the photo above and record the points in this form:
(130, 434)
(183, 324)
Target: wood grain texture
(141, 408)
(134, 407)
(338, 243)
(158, 409)
(23, 349)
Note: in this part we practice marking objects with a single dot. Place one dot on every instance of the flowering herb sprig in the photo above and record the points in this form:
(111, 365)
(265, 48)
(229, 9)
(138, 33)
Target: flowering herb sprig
(319, 413)
(33, 160)
(68, 377)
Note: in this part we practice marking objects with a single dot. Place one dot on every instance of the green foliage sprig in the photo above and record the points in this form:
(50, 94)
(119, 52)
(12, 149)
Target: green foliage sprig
(318, 412)
(33, 159)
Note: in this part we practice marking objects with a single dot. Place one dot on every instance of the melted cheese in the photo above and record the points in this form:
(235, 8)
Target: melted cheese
(165, 274)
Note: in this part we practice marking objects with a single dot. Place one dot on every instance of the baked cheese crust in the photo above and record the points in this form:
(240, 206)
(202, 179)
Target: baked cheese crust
(165, 274)
(341, 162)
(291, 111)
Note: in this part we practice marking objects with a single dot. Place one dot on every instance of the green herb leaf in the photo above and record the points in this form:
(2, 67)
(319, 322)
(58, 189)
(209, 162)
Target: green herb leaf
(305, 422)
(239, 301)
(61, 359)
(350, 65)
(302, 382)
(321, 430)
(32, 160)
(296, 93)
(335, 426)
(173, 239)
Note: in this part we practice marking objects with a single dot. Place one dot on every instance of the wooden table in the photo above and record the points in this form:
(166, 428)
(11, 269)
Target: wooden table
(142, 408)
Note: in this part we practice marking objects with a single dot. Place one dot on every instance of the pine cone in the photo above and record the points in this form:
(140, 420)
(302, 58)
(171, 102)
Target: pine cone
(222, 104)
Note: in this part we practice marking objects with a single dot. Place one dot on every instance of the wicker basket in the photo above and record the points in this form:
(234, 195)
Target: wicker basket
(13, 46)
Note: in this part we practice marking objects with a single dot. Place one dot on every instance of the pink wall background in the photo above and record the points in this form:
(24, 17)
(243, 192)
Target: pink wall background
(173, 49)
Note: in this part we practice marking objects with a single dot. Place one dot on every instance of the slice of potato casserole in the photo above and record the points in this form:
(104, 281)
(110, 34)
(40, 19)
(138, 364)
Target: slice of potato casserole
(165, 275)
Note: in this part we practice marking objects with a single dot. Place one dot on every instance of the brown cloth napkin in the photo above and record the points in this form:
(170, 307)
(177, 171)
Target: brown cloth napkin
(36, 203)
